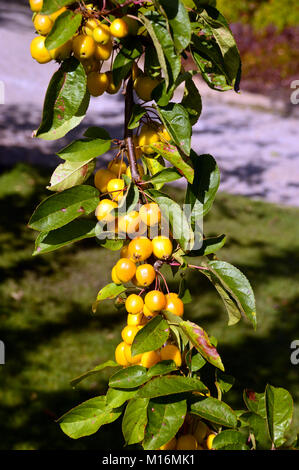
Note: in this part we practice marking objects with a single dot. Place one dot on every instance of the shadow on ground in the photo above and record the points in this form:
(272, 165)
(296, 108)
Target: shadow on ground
(51, 335)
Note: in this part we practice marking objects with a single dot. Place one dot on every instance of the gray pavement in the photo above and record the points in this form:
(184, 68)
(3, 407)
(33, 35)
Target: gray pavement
(257, 151)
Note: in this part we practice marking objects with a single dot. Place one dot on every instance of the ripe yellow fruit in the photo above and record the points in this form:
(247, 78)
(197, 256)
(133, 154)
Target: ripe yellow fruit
(209, 441)
(38, 50)
(147, 137)
(90, 65)
(103, 210)
(144, 87)
(140, 249)
(43, 24)
(90, 25)
(187, 442)
(57, 13)
(155, 301)
(148, 313)
(117, 167)
(124, 252)
(114, 276)
(36, 5)
(171, 352)
(102, 178)
(62, 52)
(84, 46)
(120, 357)
(150, 358)
(150, 214)
(129, 223)
(145, 275)
(128, 355)
(119, 28)
(174, 304)
(128, 333)
(115, 188)
(134, 304)
(112, 88)
(162, 247)
(103, 52)
(97, 83)
(171, 445)
(164, 134)
(101, 34)
(201, 431)
(135, 319)
(125, 269)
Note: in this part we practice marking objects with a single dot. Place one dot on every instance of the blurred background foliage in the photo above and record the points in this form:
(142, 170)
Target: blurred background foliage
(267, 34)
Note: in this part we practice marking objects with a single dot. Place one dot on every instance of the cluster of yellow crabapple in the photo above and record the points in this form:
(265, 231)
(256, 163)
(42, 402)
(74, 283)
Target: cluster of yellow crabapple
(92, 45)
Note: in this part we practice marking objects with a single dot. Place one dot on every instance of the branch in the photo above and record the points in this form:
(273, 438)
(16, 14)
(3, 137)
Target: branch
(129, 101)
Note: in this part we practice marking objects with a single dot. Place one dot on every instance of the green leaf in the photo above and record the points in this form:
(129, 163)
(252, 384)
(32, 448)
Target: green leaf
(130, 51)
(179, 22)
(192, 101)
(135, 420)
(258, 427)
(138, 112)
(74, 231)
(151, 337)
(209, 245)
(93, 371)
(171, 154)
(224, 381)
(87, 418)
(66, 101)
(128, 378)
(238, 286)
(83, 150)
(70, 174)
(165, 417)
(64, 28)
(61, 208)
(255, 402)
(194, 360)
(174, 214)
(202, 343)
(226, 43)
(109, 292)
(157, 28)
(165, 176)
(209, 60)
(230, 440)
(176, 120)
(162, 368)
(279, 409)
(215, 411)
(170, 385)
(201, 194)
(116, 398)
(51, 6)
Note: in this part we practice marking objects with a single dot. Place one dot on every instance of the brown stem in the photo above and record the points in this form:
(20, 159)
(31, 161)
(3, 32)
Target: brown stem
(128, 137)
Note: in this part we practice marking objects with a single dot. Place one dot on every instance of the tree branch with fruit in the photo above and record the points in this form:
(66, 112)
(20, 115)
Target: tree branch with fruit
(157, 386)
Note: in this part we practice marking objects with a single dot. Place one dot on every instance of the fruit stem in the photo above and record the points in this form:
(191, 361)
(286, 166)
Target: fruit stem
(129, 101)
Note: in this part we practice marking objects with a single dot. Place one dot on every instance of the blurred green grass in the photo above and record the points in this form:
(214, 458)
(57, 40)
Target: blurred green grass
(51, 336)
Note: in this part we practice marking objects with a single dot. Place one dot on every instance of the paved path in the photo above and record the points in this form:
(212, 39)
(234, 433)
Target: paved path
(257, 151)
